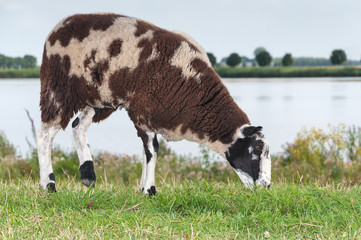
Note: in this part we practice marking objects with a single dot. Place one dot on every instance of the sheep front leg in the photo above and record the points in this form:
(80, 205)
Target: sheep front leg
(150, 143)
(45, 139)
(80, 127)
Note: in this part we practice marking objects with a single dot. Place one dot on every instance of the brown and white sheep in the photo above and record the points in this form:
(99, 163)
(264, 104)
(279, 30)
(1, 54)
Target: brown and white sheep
(97, 63)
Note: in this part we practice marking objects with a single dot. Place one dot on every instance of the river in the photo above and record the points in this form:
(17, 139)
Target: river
(281, 105)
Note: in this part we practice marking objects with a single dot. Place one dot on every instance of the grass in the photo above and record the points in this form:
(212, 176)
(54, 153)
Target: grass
(315, 194)
(269, 72)
(180, 210)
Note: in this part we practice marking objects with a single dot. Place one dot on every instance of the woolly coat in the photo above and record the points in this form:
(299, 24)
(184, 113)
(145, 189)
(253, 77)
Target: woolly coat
(163, 79)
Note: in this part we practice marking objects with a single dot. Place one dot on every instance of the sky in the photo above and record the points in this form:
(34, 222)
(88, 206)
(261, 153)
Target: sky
(304, 28)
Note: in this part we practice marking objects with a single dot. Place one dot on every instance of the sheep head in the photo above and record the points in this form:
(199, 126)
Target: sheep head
(250, 158)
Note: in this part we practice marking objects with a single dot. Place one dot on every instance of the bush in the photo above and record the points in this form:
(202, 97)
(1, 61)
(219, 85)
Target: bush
(316, 155)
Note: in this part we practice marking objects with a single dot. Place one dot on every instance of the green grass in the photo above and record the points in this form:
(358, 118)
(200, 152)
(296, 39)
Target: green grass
(315, 194)
(180, 210)
(269, 72)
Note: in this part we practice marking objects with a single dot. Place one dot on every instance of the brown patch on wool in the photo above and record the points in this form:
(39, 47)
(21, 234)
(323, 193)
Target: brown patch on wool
(62, 95)
(143, 27)
(102, 113)
(115, 48)
(79, 26)
(89, 59)
(97, 70)
(162, 40)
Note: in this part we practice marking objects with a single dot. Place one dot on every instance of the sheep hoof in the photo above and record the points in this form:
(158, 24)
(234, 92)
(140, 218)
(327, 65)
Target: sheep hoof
(152, 191)
(51, 187)
(88, 182)
(87, 174)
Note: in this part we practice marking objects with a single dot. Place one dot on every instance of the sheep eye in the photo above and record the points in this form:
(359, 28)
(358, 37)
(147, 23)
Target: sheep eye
(258, 148)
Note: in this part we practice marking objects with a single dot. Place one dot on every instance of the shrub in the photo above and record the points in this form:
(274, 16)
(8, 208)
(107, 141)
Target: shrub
(316, 155)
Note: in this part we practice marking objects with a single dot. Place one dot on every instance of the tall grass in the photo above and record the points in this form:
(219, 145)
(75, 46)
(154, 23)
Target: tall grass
(315, 155)
(324, 156)
(20, 73)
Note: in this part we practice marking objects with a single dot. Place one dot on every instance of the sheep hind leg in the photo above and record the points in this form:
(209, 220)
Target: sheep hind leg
(45, 140)
(80, 127)
(150, 143)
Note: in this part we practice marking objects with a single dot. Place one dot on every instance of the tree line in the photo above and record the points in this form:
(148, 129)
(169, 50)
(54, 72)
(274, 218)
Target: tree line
(28, 61)
(263, 58)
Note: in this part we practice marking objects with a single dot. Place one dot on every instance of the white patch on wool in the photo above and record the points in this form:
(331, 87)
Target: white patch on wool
(250, 149)
(154, 54)
(123, 28)
(197, 45)
(183, 58)
(240, 131)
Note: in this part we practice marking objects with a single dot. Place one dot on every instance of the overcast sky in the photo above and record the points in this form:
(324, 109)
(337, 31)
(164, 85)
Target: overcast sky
(301, 27)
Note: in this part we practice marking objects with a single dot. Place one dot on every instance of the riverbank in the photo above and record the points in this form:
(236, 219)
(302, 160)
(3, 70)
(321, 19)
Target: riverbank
(237, 72)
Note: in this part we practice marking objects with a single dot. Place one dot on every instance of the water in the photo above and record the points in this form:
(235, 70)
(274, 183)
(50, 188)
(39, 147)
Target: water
(281, 106)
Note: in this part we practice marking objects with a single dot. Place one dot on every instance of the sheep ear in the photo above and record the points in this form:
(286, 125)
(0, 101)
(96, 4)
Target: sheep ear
(250, 130)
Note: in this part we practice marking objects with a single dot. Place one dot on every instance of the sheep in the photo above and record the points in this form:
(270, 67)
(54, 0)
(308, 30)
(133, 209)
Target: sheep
(94, 64)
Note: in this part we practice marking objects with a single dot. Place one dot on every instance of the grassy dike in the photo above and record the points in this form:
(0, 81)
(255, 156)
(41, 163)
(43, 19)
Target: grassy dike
(236, 72)
(289, 72)
(180, 210)
(20, 73)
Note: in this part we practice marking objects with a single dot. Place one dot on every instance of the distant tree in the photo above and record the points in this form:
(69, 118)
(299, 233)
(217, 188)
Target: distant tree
(287, 60)
(233, 60)
(2, 61)
(29, 61)
(17, 63)
(9, 62)
(338, 56)
(212, 58)
(259, 50)
(263, 59)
